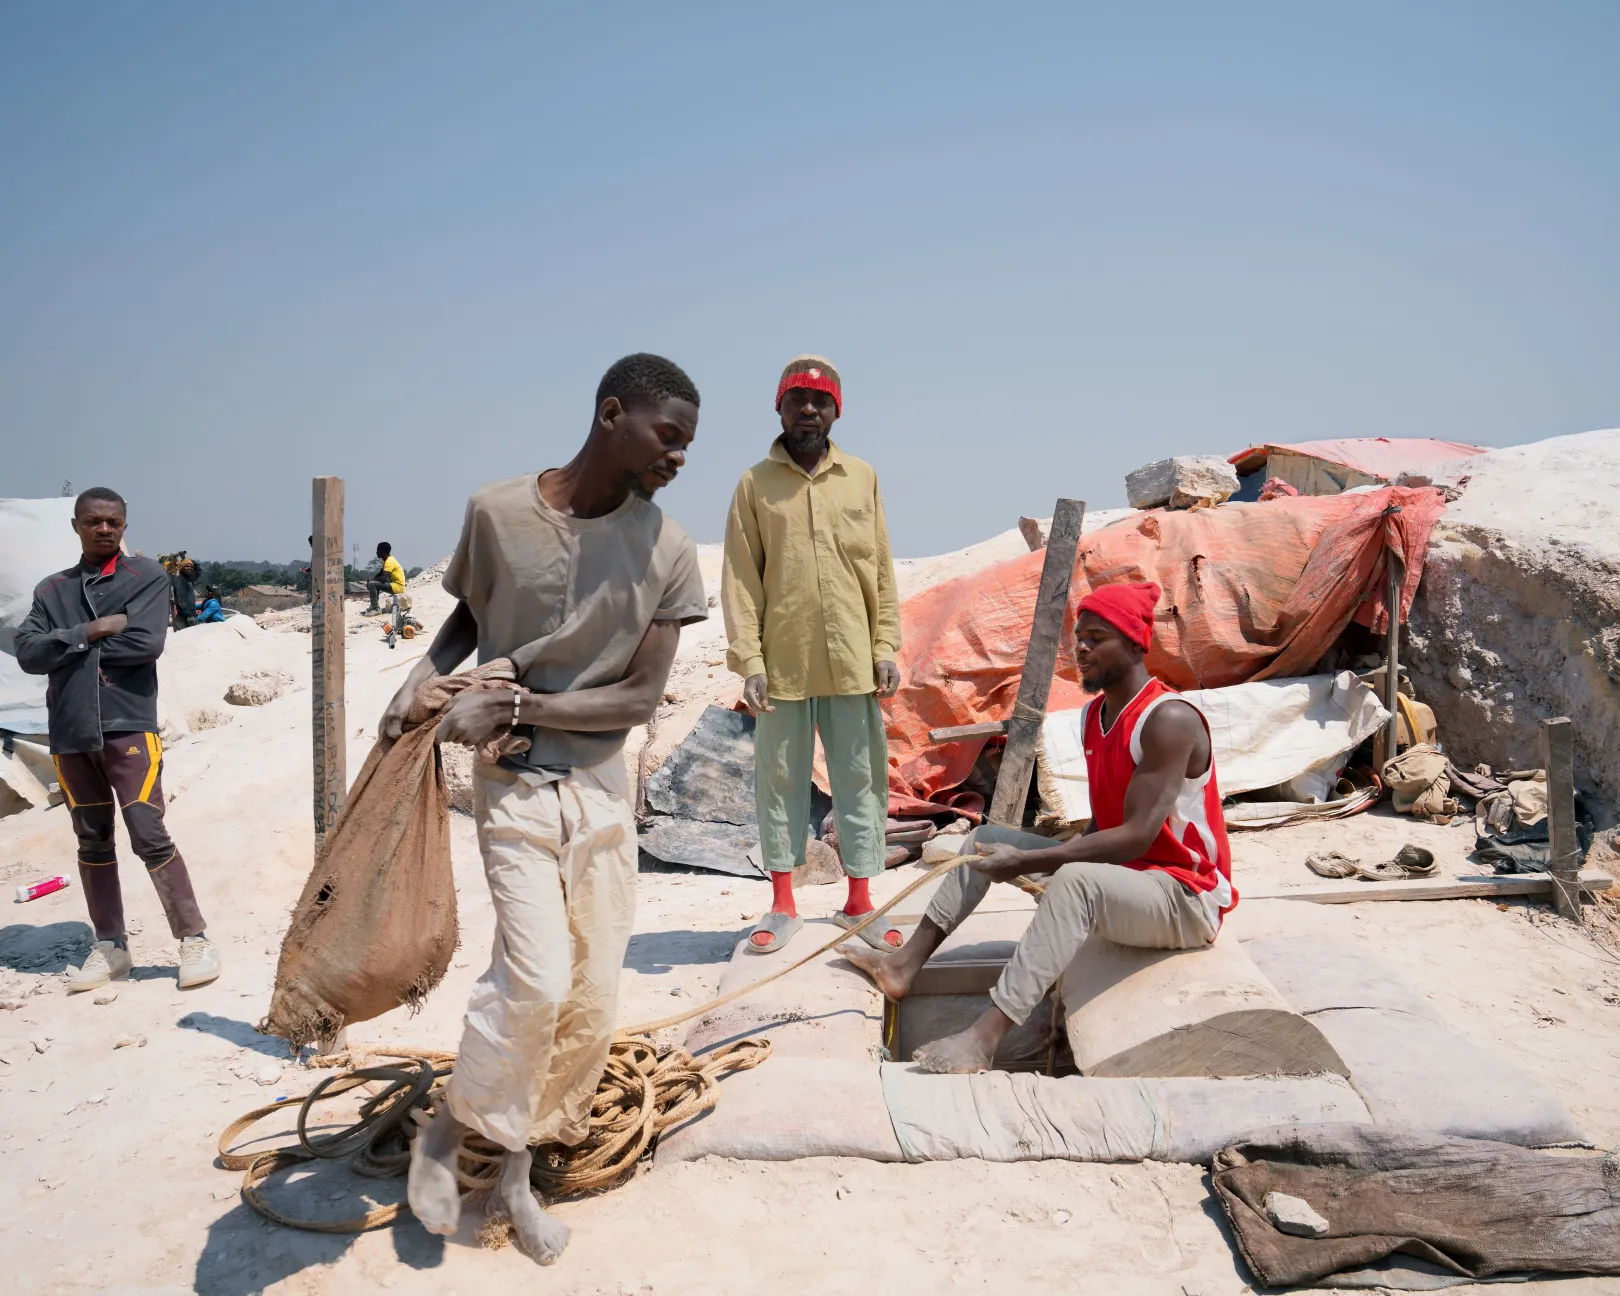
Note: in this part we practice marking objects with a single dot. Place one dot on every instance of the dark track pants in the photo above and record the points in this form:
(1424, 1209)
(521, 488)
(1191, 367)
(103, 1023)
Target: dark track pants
(129, 766)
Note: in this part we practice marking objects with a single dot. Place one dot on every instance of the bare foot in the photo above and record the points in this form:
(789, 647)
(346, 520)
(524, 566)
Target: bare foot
(967, 1052)
(892, 973)
(431, 1187)
(960, 1054)
(542, 1237)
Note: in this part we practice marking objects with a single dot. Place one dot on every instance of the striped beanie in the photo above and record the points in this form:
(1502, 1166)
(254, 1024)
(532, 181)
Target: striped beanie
(814, 372)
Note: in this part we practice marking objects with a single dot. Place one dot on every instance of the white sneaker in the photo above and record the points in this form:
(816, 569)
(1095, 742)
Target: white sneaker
(199, 961)
(107, 962)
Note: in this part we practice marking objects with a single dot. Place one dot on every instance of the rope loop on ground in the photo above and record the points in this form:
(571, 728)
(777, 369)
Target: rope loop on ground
(642, 1094)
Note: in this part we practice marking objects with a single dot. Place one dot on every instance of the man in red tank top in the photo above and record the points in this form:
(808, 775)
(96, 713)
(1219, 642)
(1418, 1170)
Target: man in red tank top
(1153, 870)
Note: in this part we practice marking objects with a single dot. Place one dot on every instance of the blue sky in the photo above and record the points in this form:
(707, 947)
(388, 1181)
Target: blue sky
(244, 244)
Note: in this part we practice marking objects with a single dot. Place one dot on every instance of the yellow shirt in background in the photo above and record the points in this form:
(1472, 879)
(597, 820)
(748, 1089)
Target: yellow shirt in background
(394, 574)
(808, 588)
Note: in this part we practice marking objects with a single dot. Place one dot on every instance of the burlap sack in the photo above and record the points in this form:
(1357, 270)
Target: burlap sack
(376, 924)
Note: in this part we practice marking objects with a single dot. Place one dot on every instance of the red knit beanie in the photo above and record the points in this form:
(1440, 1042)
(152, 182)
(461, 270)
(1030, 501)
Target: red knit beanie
(1127, 606)
(815, 373)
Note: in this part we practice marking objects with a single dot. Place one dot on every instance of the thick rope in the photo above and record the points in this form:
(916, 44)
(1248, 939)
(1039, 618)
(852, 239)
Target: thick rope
(642, 1094)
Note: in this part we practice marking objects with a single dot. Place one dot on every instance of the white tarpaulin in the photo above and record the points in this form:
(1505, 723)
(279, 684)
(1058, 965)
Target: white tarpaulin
(36, 539)
(1292, 733)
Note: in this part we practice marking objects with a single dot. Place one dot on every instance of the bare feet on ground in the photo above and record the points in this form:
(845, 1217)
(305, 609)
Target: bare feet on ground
(892, 973)
(431, 1187)
(965, 1053)
(542, 1237)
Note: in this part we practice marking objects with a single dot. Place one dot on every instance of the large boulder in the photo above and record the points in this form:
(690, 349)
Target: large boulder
(1182, 482)
(1518, 616)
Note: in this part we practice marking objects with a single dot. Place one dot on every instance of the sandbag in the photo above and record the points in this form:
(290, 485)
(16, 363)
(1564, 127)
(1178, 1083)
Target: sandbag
(1415, 1074)
(824, 1010)
(1409, 1066)
(375, 926)
(791, 1107)
(1315, 975)
(1017, 1116)
(1194, 1012)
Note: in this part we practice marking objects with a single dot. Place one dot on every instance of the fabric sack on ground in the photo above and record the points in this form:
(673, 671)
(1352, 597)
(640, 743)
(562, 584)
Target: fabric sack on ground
(375, 925)
(1467, 1207)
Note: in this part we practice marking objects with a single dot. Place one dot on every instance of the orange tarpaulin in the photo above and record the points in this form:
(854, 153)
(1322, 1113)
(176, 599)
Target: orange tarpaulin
(1251, 591)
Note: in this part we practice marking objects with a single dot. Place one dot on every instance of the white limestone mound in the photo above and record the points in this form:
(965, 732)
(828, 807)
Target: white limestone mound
(1518, 616)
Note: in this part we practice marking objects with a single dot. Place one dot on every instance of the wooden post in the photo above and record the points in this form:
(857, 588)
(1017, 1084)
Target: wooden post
(1392, 656)
(1564, 857)
(1024, 725)
(328, 638)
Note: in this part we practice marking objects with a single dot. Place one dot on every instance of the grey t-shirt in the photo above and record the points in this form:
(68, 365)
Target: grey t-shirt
(570, 599)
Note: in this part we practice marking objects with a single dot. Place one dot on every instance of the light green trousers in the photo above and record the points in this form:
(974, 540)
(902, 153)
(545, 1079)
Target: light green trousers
(852, 736)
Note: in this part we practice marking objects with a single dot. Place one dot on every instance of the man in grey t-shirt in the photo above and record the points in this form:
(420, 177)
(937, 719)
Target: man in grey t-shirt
(583, 582)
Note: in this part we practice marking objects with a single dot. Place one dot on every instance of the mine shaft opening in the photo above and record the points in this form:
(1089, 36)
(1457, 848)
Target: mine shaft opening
(947, 997)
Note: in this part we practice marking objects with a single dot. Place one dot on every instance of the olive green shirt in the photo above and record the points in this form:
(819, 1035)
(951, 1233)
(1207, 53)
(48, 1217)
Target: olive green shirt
(808, 588)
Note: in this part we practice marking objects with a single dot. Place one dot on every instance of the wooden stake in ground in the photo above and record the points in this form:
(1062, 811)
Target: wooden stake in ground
(1392, 651)
(327, 641)
(1564, 858)
(1024, 725)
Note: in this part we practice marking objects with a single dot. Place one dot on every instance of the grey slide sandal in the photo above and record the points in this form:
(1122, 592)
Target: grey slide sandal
(780, 927)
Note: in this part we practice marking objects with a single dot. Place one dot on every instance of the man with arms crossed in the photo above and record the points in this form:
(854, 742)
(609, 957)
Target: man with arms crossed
(97, 629)
(584, 583)
(1153, 870)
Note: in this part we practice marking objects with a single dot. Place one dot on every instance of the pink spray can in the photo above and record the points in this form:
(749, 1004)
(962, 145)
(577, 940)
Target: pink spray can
(34, 890)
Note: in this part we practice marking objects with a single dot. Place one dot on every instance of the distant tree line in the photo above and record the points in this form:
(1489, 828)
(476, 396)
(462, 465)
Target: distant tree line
(234, 576)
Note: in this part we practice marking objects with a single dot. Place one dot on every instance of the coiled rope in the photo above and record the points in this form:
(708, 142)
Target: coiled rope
(642, 1094)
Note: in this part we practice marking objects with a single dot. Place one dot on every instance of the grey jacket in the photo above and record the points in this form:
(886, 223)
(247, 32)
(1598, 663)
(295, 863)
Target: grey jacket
(98, 688)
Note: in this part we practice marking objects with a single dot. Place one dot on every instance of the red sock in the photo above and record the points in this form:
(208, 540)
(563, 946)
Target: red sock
(860, 902)
(781, 901)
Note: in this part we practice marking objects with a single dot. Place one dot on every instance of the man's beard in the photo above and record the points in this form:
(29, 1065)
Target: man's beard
(1100, 678)
(806, 443)
(637, 487)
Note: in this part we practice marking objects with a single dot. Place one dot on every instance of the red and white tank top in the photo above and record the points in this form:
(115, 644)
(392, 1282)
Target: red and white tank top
(1192, 845)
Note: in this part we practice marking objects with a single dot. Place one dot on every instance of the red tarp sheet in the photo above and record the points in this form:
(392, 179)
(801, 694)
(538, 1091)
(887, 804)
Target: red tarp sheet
(1251, 591)
(1380, 457)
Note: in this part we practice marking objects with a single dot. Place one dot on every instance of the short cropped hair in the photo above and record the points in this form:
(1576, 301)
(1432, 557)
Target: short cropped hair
(99, 493)
(385, 549)
(644, 379)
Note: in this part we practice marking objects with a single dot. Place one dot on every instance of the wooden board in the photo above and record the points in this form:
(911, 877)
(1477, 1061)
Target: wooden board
(1492, 886)
(328, 638)
(961, 733)
(1201, 1012)
(1564, 857)
(1046, 629)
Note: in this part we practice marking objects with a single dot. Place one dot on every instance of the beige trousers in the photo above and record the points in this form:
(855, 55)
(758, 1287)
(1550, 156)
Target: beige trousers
(1143, 907)
(561, 864)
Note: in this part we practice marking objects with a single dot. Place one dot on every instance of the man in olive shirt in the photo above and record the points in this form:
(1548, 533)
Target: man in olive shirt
(813, 622)
(582, 581)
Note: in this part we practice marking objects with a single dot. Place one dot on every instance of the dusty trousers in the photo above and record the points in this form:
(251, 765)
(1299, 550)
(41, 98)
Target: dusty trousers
(129, 767)
(852, 736)
(560, 859)
(1143, 907)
